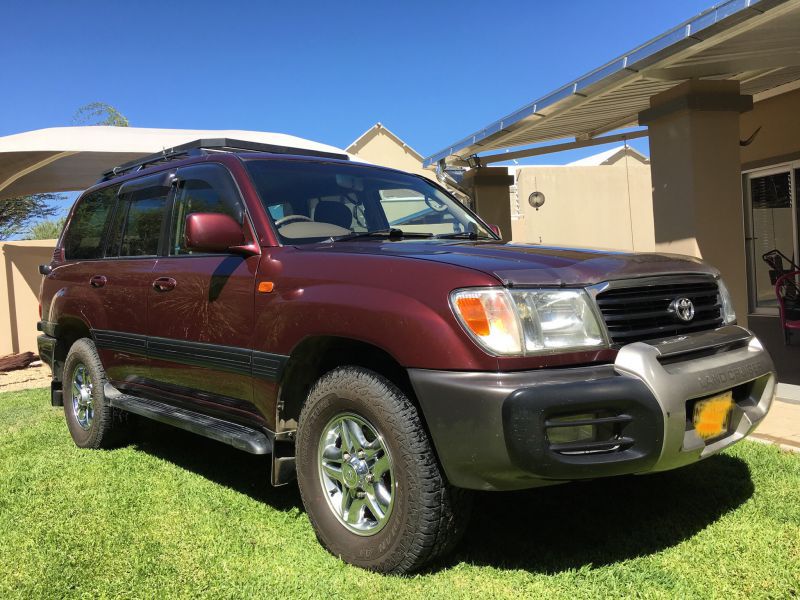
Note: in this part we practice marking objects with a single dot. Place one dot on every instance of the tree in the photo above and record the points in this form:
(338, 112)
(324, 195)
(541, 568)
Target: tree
(99, 113)
(47, 230)
(16, 214)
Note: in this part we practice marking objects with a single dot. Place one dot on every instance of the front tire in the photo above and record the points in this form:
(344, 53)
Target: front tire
(369, 478)
(92, 421)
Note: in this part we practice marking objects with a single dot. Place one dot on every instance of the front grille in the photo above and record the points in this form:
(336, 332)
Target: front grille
(642, 312)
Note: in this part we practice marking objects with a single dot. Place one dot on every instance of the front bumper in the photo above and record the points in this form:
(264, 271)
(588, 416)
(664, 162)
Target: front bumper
(490, 430)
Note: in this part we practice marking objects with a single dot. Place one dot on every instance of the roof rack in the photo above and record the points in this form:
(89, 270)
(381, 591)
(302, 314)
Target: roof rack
(208, 145)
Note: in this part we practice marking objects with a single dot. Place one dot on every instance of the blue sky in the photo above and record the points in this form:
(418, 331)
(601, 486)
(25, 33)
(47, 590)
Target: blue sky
(432, 72)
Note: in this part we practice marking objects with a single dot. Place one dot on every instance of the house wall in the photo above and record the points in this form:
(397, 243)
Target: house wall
(778, 142)
(19, 293)
(779, 138)
(382, 149)
(601, 207)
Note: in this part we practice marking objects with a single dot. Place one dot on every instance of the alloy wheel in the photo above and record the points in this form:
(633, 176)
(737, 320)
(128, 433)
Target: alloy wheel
(82, 403)
(355, 470)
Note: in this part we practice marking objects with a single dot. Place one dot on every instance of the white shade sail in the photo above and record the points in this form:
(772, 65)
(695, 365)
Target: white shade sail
(61, 159)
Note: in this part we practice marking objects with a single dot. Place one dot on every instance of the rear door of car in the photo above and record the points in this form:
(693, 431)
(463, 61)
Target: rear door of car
(200, 305)
(124, 277)
(111, 247)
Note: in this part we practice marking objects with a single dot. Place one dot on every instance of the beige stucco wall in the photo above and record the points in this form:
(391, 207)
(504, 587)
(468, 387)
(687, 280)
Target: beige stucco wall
(602, 207)
(779, 138)
(19, 293)
(777, 142)
(382, 149)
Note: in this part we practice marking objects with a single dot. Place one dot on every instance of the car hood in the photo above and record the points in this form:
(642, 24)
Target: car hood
(527, 264)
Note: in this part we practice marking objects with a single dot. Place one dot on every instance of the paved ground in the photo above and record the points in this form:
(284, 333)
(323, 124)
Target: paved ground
(25, 379)
(782, 425)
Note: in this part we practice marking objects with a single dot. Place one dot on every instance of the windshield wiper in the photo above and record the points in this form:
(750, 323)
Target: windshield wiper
(390, 232)
(467, 235)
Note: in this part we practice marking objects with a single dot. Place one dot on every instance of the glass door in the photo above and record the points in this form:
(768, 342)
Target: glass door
(771, 225)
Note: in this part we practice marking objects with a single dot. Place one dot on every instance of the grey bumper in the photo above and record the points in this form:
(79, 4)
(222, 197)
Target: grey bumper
(490, 429)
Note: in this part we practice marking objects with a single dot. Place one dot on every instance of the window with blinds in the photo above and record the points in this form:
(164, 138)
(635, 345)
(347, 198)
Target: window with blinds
(772, 199)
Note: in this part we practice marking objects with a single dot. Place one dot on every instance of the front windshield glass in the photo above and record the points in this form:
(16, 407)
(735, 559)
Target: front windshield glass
(315, 201)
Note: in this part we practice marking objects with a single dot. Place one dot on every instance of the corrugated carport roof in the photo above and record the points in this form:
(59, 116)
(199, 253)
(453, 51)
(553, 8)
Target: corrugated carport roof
(756, 42)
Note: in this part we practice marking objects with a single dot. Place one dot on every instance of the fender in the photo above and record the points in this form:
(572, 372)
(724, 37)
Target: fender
(397, 304)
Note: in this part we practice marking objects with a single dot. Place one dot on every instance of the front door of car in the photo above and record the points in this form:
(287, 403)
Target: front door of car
(200, 305)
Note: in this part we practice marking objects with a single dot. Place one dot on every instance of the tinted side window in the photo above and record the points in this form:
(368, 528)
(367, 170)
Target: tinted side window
(137, 223)
(84, 237)
(202, 189)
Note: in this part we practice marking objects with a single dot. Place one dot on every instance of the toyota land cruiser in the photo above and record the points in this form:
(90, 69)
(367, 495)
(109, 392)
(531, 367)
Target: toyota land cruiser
(380, 341)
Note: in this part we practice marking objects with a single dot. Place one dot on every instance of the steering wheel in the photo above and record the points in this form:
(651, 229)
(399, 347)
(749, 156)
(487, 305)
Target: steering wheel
(360, 217)
(288, 218)
(435, 205)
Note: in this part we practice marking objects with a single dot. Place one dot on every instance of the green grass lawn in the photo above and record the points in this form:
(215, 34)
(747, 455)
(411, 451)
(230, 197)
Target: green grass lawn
(178, 515)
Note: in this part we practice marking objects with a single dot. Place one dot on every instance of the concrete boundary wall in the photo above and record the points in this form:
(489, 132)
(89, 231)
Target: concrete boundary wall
(19, 293)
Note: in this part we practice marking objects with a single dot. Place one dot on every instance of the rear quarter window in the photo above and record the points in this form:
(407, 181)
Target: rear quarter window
(84, 237)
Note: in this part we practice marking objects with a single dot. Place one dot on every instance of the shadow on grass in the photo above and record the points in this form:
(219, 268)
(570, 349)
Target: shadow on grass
(547, 530)
(601, 522)
(246, 473)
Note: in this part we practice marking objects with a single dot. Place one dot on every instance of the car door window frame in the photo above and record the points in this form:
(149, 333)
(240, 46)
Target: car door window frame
(158, 179)
(247, 223)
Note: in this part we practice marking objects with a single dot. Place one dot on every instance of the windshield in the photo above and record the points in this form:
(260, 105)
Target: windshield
(315, 201)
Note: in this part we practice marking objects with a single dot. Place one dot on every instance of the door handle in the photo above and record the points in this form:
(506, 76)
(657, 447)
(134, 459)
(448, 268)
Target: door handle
(98, 281)
(164, 284)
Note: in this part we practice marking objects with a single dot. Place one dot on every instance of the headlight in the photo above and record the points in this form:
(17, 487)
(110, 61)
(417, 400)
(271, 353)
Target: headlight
(488, 316)
(525, 322)
(728, 313)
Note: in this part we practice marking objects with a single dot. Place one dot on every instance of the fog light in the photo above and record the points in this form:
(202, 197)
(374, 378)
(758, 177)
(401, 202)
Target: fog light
(559, 432)
(589, 433)
(565, 434)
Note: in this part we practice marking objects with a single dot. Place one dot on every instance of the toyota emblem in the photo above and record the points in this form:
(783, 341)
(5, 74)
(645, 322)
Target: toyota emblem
(683, 309)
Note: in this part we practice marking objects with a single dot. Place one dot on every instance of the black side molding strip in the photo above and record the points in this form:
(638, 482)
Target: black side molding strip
(127, 342)
(226, 358)
(268, 366)
(232, 359)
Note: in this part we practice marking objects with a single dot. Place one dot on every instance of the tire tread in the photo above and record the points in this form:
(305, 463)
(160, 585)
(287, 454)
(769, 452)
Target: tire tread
(109, 425)
(441, 510)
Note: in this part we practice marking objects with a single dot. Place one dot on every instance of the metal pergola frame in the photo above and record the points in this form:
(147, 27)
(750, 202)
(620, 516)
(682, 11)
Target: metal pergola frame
(756, 42)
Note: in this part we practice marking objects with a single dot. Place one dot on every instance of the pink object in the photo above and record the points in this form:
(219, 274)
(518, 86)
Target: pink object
(783, 285)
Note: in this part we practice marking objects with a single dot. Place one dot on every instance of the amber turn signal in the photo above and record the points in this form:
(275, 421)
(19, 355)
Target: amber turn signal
(488, 316)
(474, 315)
(265, 287)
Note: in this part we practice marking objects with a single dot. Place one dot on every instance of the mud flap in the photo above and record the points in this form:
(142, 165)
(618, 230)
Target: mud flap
(283, 460)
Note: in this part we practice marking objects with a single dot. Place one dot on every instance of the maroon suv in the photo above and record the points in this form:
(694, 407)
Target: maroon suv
(380, 341)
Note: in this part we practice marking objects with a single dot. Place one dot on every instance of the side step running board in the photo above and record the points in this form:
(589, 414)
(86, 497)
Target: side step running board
(233, 434)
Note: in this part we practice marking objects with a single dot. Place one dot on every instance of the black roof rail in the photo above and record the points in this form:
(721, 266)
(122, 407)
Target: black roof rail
(208, 145)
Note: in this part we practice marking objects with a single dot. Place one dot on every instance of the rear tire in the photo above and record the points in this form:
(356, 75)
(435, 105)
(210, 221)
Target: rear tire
(381, 503)
(92, 421)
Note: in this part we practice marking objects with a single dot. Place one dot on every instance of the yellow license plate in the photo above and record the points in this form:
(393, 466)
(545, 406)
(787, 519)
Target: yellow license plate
(711, 416)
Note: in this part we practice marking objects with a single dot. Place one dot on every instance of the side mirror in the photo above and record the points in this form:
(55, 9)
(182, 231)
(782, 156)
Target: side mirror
(496, 230)
(213, 232)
